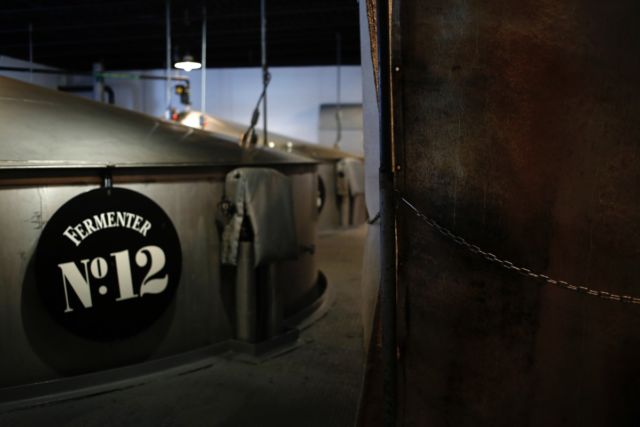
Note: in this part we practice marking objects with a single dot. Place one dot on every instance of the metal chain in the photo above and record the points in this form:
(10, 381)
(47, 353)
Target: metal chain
(508, 265)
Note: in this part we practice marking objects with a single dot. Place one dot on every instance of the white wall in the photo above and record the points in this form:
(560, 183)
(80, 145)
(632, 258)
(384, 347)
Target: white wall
(48, 80)
(294, 95)
(351, 132)
(371, 259)
(51, 81)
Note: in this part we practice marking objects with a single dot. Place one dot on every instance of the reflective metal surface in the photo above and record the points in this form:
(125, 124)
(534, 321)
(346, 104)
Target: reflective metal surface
(230, 131)
(298, 277)
(330, 215)
(337, 211)
(36, 348)
(40, 349)
(43, 127)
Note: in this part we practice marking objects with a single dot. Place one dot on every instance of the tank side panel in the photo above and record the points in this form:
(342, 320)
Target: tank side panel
(192, 207)
(38, 349)
(298, 277)
(329, 217)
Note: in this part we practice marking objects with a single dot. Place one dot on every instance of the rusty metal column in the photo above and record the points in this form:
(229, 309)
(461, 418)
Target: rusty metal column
(387, 222)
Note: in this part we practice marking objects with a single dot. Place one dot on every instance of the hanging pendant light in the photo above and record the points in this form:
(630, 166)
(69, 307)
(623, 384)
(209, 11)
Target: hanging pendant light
(187, 64)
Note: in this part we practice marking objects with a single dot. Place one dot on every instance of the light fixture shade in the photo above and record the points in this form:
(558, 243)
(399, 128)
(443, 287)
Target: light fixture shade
(187, 64)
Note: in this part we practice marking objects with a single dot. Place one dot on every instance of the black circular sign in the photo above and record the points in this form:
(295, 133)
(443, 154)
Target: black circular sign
(108, 263)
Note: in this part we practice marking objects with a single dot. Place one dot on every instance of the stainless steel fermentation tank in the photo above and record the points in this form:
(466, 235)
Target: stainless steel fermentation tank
(340, 174)
(55, 147)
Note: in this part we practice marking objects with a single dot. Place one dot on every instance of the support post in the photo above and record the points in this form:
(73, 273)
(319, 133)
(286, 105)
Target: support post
(273, 302)
(98, 82)
(246, 298)
(345, 210)
(387, 220)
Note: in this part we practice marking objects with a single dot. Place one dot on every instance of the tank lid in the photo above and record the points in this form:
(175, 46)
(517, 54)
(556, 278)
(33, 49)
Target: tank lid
(45, 128)
(277, 142)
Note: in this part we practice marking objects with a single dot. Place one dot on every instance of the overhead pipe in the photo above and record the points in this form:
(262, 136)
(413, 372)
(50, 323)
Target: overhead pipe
(105, 75)
(131, 76)
(37, 70)
(387, 220)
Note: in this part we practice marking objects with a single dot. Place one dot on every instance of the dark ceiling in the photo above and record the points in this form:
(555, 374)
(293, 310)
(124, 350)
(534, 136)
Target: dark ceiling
(72, 34)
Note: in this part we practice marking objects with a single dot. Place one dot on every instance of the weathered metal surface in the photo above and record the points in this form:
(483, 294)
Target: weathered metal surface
(518, 129)
(372, 42)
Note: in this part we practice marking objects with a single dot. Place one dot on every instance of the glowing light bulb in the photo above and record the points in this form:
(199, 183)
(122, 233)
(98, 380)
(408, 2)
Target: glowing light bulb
(187, 64)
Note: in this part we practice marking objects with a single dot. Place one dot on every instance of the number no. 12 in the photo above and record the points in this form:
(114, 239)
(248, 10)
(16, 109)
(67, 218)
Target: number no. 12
(80, 281)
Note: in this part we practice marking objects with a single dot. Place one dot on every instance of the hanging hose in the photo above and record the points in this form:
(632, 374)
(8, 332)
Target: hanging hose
(248, 138)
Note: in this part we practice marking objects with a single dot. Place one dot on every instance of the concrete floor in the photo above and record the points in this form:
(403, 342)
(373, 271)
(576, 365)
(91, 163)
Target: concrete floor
(317, 384)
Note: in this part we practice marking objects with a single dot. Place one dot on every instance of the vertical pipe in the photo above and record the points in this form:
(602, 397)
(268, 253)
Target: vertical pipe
(273, 301)
(265, 69)
(338, 90)
(246, 299)
(168, 45)
(344, 209)
(98, 82)
(30, 52)
(203, 70)
(387, 220)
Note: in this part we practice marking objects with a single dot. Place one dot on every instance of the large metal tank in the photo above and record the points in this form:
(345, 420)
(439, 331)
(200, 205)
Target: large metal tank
(340, 174)
(56, 148)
